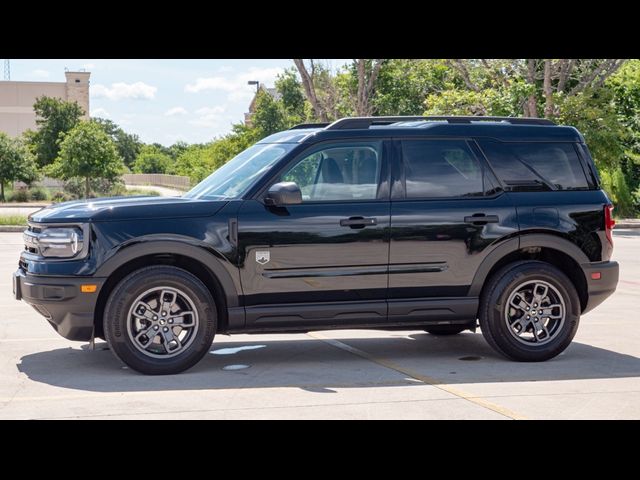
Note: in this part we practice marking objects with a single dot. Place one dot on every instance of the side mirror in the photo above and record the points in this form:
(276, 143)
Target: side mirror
(282, 194)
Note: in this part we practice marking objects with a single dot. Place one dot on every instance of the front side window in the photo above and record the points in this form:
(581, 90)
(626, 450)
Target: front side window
(235, 177)
(338, 172)
(441, 169)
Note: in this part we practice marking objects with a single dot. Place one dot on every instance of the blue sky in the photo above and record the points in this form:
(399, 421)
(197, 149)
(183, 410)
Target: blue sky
(165, 100)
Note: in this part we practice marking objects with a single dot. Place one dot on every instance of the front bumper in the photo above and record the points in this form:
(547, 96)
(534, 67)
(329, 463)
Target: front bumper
(59, 299)
(599, 290)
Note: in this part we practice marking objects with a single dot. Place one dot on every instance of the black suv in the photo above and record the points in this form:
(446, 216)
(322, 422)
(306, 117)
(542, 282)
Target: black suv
(381, 222)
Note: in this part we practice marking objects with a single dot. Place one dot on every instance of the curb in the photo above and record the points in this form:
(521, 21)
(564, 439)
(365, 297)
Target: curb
(12, 228)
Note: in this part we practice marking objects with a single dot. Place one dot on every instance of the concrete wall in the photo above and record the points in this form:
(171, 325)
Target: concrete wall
(17, 99)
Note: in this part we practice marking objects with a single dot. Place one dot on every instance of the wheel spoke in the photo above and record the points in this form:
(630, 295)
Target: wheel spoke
(171, 342)
(547, 311)
(143, 310)
(538, 328)
(522, 303)
(167, 301)
(522, 323)
(184, 319)
(150, 333)
(537, 296)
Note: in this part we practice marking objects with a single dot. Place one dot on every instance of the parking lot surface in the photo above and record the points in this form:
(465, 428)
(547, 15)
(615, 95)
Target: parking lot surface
(349, 374)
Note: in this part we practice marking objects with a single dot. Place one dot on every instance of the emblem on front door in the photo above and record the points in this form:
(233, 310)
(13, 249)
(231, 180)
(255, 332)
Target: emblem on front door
(263, 256)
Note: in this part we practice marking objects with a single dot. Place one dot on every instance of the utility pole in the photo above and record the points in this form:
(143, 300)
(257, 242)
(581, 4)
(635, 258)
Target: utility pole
(7, 69)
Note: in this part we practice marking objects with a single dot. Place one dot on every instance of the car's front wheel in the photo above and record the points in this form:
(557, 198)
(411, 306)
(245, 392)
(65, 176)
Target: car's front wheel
(529, 311)
(160, 320)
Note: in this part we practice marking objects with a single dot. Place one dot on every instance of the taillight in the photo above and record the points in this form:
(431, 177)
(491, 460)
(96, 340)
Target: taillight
(609, 222)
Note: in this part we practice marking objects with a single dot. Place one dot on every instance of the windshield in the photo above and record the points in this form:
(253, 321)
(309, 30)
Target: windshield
(236, 176)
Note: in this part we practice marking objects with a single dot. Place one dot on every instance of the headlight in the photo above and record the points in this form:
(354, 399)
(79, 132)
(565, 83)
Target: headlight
(56, 242)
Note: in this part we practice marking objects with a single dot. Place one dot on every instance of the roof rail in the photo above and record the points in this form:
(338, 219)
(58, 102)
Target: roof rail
(366, 122)
(309, 125)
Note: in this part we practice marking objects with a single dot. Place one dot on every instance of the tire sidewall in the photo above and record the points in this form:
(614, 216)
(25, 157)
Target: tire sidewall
(128, 290)
(497, 303)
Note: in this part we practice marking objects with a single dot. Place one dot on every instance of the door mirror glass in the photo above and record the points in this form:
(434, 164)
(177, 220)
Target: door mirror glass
(282, 194)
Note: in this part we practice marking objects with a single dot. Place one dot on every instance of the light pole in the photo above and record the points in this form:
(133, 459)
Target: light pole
(256, 83)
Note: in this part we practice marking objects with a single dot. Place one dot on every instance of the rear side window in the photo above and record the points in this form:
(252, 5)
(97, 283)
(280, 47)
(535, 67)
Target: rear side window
(536, 166)
(441, 168)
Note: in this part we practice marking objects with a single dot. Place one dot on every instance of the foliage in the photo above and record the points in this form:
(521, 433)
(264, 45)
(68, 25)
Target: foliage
(293, 101)
(127, 144)
(198, 161)
(16, 162)
(55, 118)
(270, 115)
(87, 152)
(152, 159)
(13, 220)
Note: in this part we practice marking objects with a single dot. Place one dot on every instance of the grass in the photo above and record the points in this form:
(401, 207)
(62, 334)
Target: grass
(13, 220)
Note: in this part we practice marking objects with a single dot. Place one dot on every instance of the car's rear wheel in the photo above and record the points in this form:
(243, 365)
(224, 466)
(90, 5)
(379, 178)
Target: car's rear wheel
(445, 330)
(160, 320)
(529, 311)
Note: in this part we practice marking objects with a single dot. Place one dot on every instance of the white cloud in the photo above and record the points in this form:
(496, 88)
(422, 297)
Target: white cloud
(175, 111)
(121, 90)
(226, 69)
(100, 112)
(210, 110)
(235, 85)
(209, 117)
(89, 66)
(41, 73)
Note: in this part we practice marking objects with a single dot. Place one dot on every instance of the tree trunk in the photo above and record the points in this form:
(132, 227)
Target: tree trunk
(531, 107)
(1, 191)
(87, 188)
(310, 90)
(546, 87)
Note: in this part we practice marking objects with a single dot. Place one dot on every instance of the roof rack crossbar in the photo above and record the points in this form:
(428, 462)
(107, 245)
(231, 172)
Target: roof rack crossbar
(309, 125)
(366, 122)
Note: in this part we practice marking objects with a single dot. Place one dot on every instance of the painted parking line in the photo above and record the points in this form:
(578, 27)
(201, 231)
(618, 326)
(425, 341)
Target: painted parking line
(423, 378)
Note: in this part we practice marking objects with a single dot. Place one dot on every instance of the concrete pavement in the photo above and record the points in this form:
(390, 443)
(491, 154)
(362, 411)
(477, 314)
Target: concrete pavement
(341, 374)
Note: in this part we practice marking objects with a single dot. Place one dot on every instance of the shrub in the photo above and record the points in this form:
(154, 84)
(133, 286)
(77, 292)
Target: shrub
(39, 194)
(61, 196)
(21, 195)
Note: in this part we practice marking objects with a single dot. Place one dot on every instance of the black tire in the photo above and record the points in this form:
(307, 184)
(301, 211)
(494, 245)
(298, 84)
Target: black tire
(129, 289)
(445, 330)
(493, 303)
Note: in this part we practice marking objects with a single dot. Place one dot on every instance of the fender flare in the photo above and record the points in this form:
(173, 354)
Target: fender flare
(184, 246)
(524, 241)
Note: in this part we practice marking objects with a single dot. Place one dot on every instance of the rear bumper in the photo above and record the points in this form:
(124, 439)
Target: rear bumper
(599, 290)
(60, 301)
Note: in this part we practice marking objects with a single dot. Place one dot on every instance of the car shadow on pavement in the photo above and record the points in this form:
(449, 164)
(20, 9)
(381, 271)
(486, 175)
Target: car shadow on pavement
(316, 366)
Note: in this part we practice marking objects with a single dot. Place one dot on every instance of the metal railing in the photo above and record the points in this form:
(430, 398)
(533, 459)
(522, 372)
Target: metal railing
(157, 179)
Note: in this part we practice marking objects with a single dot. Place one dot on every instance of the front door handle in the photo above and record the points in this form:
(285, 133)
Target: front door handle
(481, 219)
(358, 222)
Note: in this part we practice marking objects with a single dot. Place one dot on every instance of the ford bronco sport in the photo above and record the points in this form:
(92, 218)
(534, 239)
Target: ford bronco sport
(432, 223)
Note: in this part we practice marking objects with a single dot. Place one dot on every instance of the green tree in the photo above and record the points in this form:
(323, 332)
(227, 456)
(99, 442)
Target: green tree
(152, 160)
(290, 90)
(16, 162)
(270, 115)
(177, 148)
(128, 144)
(89, 153)
(55, 118)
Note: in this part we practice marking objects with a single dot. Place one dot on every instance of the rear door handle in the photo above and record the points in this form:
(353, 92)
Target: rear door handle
(358, 222)
(481, 219)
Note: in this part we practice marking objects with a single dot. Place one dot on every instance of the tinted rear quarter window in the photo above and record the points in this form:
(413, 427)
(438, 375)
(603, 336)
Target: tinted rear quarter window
(543, 166)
